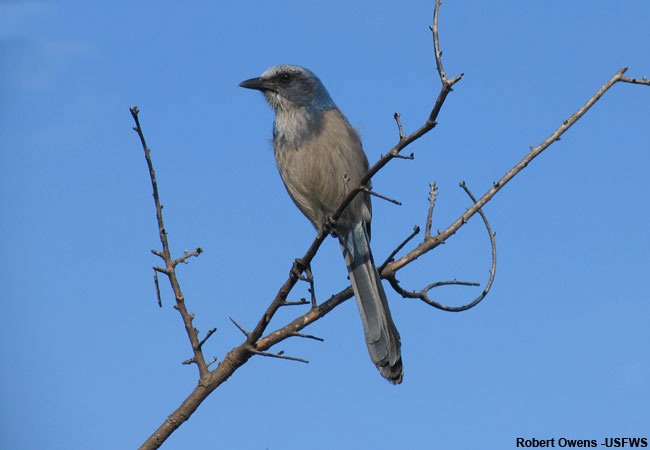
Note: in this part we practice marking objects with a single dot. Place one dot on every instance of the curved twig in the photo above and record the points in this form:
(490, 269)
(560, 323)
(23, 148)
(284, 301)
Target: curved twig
(423, 294)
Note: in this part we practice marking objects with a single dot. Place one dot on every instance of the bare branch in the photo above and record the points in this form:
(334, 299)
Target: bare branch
(449, 282)
(431, 243)
(187, 255)
(307, 336)
(433, 193)
(207, 336)
(643, 80)
(255, 342)
(383, 197)
(246, 333)
(492, 235)
(399, 126)
(400, 156)
(155, 282)
(281, 356)
(302, 301)
(424, 293)
(416, 230)
(166, 255)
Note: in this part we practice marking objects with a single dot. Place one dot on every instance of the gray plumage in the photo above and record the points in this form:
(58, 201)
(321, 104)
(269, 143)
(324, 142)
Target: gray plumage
(320, 159)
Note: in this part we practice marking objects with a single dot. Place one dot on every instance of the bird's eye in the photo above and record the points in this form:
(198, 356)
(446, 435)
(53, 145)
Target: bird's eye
(285, 78)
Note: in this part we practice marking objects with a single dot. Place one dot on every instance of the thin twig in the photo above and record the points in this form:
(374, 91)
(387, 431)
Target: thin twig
(166, 255)
(416, 230)
(302, 301)
(187, 255)
(207, 336)
(246, 333)
(155, 282)
(643, 80)
(448, 283)
(383, 197)
(424, 293)
(281, 356)
(433, 193)
(399, 126)
(307, 336)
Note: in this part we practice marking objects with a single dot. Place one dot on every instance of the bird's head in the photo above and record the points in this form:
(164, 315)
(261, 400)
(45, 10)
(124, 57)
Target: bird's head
(287, 87)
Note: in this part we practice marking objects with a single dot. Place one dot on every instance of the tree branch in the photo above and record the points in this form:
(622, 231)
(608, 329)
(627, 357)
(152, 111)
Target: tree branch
(256, 342)
(192, 333)
(432, 242)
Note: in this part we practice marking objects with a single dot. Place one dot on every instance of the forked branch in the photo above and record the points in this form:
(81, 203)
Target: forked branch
(256, 343)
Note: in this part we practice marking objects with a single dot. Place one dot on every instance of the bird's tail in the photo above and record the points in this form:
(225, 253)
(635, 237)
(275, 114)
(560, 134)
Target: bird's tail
(381, 334)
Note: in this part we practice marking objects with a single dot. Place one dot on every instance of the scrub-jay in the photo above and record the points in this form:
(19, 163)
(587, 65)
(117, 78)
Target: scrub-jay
(320, 159)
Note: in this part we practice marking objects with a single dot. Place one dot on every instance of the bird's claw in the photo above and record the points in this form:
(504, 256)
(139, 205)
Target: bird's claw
(300, 267)
(329, 225)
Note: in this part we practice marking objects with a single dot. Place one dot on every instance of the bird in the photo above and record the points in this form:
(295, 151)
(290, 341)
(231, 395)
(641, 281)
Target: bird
(321, 160)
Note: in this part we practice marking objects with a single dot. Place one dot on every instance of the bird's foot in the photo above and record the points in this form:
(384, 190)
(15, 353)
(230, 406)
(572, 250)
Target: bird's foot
(299, 266)
(329, 225)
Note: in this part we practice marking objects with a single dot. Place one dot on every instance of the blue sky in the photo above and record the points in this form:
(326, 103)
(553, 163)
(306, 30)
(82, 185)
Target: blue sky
(558, 349)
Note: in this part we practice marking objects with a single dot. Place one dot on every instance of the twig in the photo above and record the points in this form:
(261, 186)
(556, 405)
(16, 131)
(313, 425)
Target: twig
(155, 282)
(383, 197)
(643, 80)
(302, 301)
(246, 333)
(166, 255)
(434, 241)
(433, 193)
(207, 336)
(450, 282)
(424, 293)
(416, 230)
(400, 156)
(307, 336)
(399, 126)
(281, 356)
(187, 255)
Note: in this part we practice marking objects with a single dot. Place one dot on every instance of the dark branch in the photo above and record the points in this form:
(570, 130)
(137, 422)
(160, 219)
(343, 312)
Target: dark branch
(433, 193)
(187, 255)
(302, 301)
(281, 356)
(207, 336)
(399, 126)
(307, 336)
(155, 282)
(166, 255)
(416, 230)
(383, 197)
(246, 333)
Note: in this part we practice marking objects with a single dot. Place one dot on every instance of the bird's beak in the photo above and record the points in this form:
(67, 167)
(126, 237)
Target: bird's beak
(254, 83)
